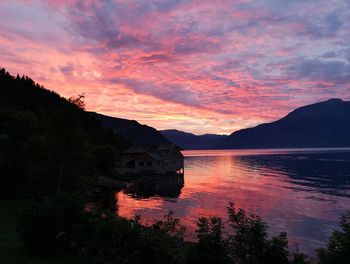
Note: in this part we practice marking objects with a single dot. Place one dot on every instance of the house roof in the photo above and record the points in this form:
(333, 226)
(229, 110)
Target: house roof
(137, 149)
(154, 156)
(156, 152)
(150, 148)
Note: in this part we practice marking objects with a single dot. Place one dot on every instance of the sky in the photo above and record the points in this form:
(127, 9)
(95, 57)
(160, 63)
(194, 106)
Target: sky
(201, 66)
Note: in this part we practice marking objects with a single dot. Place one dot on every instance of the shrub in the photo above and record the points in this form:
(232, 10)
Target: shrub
(55, 225)
(106, 157)
(59, 225)
(211, 247)
(120, 240)
(248, 241)
(338, 247)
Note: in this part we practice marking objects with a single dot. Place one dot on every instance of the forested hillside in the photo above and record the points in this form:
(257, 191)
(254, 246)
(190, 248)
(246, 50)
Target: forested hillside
(49, 143)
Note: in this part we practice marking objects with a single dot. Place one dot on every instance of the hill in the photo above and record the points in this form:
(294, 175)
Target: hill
(131, 130)
(49, 143)
(324, 124)
(191, 141)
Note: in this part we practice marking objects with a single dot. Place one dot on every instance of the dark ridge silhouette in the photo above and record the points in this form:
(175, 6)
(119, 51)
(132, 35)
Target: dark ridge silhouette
(49, 143)
(190, 141)
(324, 124)
(131, 130)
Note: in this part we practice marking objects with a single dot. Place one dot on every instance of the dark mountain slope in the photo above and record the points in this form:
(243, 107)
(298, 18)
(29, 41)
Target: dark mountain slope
(324, 124)
(131, 130)
(191, 141)
(48, 143)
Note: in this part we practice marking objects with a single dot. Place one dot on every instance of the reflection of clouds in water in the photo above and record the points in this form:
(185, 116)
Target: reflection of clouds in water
(301, 194)
(325, 173)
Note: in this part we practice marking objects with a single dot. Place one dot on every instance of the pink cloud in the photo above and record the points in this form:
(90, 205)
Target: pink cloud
(199, 66)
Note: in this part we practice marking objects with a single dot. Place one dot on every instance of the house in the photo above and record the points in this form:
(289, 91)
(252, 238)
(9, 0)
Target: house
(153, 159)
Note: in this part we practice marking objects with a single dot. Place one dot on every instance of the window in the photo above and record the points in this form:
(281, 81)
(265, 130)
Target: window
(141, 163)
(149, 163)
(130, 164)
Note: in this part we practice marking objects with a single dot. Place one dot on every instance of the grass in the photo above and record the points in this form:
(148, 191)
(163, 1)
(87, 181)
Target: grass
(12, 251)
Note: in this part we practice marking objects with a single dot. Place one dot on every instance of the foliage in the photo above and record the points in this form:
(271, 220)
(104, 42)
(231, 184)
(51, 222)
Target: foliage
(78, 101)
(54, 225)
(338, 247)
(248, 242)
(211, 247)
(120, 240)
(170, 225)
(12, 250)
(106, 157)
(244, 240)
(59, 225)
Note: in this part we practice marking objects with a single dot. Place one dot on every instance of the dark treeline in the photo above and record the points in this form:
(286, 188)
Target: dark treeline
(60, 226)
(48, 143)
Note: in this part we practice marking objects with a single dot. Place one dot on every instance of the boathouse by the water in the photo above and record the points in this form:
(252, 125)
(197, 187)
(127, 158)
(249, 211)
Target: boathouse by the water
(153, 159)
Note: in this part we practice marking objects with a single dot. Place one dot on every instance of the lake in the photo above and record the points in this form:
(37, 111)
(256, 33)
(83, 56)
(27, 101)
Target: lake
(300, 191)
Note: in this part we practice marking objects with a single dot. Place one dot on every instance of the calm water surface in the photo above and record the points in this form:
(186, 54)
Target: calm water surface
(301, 191)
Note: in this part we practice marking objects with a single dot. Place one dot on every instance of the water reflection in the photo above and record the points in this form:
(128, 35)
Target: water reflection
(167, 187)
(301, 193)
(319, 172)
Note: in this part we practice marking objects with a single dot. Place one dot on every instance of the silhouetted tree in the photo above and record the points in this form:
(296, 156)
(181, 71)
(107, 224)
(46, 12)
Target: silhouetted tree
(338, 247)
(211, 247)
(78, 101)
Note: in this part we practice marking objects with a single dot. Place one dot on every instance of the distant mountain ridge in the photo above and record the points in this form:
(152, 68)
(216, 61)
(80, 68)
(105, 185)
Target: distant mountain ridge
(324, 124)
(131, 130)
(190, 141)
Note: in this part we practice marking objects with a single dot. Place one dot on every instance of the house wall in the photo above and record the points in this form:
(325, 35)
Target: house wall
(145, 163)
(174, 160)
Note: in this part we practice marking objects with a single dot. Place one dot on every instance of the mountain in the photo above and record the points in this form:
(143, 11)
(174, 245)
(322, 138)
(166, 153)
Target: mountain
(191, 141)
(131, 130)
(50, 144)
(324, 124)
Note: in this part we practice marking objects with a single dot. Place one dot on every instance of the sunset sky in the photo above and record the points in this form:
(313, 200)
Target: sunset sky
(197, 66)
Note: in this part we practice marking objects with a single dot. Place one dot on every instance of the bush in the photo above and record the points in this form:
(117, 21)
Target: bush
(59, 225)
(243, 240)
(106, 157)
(55, 225)
(120, 240)
(338, 247)
(248, 241)
(211, 247)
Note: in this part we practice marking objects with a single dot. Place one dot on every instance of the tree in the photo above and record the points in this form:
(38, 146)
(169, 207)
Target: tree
(211, 247)
(106, 157)
(68, 150)
(338, 247)
(248, 241)
(55, 225)
(78, 101)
